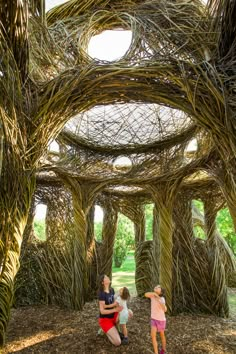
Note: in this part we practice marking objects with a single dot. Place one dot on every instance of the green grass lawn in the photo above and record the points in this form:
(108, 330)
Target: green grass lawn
(124, 276)
(232, 302)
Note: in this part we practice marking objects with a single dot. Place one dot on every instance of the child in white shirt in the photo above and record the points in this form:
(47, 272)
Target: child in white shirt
(125, 314)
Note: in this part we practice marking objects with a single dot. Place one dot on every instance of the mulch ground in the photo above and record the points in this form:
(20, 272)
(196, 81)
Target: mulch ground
(41, 329)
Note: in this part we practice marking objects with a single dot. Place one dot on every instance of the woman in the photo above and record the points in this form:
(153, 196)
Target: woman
(109, 310)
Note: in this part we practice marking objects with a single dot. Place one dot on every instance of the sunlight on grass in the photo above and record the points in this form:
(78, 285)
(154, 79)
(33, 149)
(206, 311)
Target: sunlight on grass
(232, 302)
(125, 275)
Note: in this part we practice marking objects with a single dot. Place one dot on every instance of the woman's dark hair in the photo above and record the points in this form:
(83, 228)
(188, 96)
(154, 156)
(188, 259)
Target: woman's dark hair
(125, 294)
(100, 283)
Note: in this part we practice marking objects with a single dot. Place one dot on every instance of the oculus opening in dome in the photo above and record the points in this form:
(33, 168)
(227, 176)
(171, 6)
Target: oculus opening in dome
(110, 45)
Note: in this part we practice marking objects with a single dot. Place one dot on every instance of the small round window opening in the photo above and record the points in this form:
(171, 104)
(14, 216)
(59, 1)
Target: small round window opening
(122, 164)
(110, 45)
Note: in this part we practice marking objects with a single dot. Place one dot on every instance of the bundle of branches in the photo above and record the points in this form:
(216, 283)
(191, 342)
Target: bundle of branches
(144, 270)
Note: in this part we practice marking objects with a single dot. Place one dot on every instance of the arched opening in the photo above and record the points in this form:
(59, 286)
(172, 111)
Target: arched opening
(39, 222)
(53, 146)
(123, 270)
(198, 219)
(149, 221)
(122, 164)
(98, 222)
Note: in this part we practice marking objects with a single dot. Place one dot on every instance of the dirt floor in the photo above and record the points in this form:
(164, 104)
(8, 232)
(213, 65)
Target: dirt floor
(44, 329)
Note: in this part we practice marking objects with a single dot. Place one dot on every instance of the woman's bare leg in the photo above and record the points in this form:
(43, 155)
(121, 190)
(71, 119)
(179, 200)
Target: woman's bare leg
(113, 336)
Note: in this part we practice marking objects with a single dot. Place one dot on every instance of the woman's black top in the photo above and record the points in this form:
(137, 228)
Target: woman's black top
(109, 299)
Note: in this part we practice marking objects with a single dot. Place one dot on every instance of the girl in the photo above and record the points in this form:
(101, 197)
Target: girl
(124, 315)
(108, 310)
(158, 318)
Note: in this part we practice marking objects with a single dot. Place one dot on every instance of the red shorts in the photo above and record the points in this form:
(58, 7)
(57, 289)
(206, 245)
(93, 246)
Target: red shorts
(108, 323)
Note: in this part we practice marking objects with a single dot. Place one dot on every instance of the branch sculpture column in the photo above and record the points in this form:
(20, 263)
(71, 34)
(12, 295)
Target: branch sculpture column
(92, 266)
(110, 223)
(163, 195)
(187, 267)
(83, 195)
(156, 246)
(59, 216)
(139, 223)
(218, 287)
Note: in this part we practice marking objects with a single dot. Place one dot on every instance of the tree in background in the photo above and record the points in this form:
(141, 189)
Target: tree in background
(149, 220)
(40, 229)
(224, 224)
(124, 238)
(226, 228)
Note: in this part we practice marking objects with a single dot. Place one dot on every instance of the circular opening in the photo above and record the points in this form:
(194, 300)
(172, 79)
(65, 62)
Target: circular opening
(122, 164)
(109, 45)
(53, 146)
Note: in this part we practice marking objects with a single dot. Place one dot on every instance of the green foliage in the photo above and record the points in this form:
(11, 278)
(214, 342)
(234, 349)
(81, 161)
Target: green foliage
(125, 231)
(120, 252)
(98, 230)
(199, 232)
(149, 220)
(40, 229)
(199, 205)
(232, 302)
(124, 240)
(224, 224)
(226, 228)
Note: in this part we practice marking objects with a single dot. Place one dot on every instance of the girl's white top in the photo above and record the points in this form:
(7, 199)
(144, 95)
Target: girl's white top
(122, 303)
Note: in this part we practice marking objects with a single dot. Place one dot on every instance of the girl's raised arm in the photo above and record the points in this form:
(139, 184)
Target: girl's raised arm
(149, 295)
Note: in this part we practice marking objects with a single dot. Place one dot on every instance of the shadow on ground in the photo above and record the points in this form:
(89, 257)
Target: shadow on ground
(42, 329)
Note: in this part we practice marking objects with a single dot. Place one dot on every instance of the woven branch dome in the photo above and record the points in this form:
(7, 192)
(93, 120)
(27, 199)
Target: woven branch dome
(128, 125)
(138, 110)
